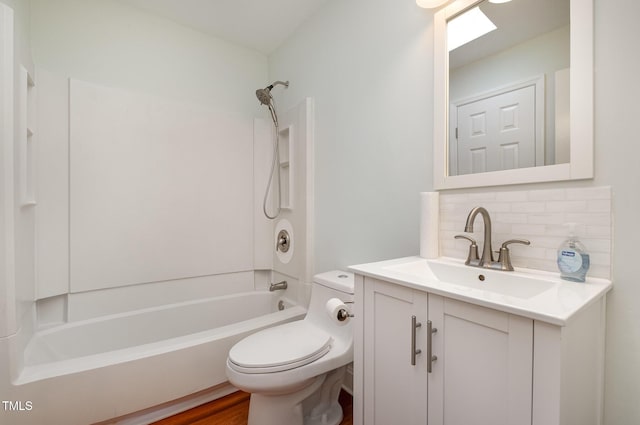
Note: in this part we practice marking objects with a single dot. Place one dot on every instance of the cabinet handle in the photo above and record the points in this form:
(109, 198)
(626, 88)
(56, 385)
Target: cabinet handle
(430, 357)
(414, 325)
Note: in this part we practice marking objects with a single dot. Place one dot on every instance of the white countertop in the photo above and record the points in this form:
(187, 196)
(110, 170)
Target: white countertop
(556, 303)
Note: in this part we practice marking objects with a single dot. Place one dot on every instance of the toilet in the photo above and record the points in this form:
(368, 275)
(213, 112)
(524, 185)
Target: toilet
(294, 371)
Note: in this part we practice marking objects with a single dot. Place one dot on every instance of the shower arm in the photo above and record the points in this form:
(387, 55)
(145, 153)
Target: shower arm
(281, 83)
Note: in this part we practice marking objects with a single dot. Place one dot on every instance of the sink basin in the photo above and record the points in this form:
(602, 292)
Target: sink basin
(535, 294)
(511, 284)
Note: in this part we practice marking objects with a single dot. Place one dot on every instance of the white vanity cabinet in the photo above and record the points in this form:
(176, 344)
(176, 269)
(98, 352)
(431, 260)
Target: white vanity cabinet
(395, 391)
(490, 367)
(483, 374)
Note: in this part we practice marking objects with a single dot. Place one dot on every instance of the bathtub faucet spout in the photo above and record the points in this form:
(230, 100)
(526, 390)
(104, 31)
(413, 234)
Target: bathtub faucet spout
(278, 286)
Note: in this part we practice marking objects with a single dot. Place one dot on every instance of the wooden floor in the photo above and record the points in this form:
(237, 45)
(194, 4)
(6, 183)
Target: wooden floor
(234, 410)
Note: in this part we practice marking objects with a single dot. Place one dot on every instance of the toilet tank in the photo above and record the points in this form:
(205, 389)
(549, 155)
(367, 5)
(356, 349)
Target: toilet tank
(333, 284)
(337, 280)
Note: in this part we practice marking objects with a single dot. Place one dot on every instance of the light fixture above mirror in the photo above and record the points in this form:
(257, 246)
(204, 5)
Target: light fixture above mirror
(551, 118)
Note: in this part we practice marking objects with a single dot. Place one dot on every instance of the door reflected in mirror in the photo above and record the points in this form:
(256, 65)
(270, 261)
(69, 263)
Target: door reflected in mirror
(508, 88)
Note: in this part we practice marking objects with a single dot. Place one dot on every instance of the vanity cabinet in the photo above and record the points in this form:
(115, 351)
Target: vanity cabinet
(483, 374)
(489, 366)
(395, 391)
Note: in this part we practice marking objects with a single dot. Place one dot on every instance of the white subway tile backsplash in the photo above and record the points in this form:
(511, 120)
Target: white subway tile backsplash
(587, 218)
(599, 245)
(518, 251)
(552, 254)
(599, 232)
(548, 195)
(600, 271)
(598, 205)
(520, 218)
(458, 199)
(546, 218)
(502, 228)
(600, 259)
(548, 242)
(495, 207)
(486, 196)
(529, 229)
(528, 207)
(537, 215)
(519, 196)
(589, 193)
(448, 207)
(566, 206)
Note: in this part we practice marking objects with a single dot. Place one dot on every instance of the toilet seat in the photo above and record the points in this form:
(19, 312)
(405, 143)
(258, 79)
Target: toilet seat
(280, 348)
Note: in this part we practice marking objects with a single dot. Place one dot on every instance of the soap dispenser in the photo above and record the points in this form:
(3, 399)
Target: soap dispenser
(573, 259)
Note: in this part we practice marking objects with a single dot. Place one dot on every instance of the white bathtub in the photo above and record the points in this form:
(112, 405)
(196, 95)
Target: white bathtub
(97, 369)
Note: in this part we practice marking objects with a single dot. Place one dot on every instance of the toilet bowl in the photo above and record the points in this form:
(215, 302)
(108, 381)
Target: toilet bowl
(294, 371)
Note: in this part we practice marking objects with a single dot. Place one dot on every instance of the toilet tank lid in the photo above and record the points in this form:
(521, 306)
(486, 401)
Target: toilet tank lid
(336, 279)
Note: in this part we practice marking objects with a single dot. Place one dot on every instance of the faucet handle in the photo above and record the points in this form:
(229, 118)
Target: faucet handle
(504, 257)
(510, 241)
(473, 249)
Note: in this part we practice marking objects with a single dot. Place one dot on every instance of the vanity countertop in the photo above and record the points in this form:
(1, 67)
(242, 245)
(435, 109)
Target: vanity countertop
(535, 294)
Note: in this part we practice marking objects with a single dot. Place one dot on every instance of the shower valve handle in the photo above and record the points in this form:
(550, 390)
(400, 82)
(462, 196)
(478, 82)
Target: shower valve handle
(283, 241)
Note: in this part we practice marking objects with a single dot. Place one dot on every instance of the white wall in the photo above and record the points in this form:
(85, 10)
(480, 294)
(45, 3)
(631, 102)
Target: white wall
(369, 67)
(115, 45)
(616, 98)
(143, 207)
(366, 64)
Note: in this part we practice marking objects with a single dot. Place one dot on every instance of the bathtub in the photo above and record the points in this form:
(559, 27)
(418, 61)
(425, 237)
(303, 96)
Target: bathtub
(101, 368)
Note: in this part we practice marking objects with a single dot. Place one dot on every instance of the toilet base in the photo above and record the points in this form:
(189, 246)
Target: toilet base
(316, 404)
(332, 416)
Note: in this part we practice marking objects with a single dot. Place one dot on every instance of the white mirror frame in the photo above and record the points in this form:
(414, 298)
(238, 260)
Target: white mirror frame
(581, 108)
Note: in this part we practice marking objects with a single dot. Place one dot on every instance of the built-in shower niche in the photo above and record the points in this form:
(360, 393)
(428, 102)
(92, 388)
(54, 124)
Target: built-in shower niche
(285, 148)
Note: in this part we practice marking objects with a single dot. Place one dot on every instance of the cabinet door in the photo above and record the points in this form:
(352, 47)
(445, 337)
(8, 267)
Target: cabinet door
(484, 367)
(395, 391)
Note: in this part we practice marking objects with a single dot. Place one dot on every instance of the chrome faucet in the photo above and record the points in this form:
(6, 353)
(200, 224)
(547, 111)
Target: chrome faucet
(278, 286)
(487, 252)
(486, 260)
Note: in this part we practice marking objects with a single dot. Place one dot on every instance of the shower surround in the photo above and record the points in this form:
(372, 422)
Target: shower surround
(151, 265)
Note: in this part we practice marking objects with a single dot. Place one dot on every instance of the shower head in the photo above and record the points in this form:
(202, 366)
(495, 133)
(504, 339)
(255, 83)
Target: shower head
(264, 95)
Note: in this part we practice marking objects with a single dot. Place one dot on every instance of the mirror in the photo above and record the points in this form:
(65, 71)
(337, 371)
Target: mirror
(504, 113)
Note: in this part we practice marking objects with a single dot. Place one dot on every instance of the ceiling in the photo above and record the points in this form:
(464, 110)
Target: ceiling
(517, 21)
(257, 24)
(263, 25)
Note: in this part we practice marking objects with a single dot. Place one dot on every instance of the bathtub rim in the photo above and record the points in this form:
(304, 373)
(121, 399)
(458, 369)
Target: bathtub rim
(49, 370)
